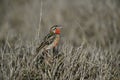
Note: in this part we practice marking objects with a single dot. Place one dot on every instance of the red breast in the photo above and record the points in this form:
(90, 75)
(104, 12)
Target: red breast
(57, 31)
(56, 41)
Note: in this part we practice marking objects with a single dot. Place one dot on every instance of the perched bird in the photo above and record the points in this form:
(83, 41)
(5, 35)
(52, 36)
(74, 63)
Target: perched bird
(51, 40)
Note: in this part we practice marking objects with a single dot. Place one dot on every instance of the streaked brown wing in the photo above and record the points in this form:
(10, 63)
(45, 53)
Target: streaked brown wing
(47, 40)
(40, 47)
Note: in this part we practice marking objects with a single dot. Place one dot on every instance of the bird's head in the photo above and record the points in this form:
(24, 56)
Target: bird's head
(56, 29)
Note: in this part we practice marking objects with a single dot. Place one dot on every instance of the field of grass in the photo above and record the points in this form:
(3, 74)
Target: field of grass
(90, 40)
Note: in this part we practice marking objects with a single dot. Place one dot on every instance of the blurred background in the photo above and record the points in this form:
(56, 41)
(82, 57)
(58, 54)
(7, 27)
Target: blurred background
(90, 48)
(91, 21)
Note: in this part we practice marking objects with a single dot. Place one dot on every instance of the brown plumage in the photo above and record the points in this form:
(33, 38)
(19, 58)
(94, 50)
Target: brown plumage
(51, 40)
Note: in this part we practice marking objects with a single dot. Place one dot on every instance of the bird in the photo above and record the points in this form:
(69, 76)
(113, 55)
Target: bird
(51, 40)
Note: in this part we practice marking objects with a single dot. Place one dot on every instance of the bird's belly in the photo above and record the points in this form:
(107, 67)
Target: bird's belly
(54, 44)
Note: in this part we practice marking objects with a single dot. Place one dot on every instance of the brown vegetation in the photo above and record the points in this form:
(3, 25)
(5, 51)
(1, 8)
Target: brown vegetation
(90, 44)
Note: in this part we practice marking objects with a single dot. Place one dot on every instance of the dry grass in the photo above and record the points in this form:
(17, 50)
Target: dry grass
(84, 62)
(90, 42)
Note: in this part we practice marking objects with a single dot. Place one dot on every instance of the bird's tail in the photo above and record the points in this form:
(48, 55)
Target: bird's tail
(38, 49)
